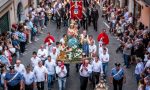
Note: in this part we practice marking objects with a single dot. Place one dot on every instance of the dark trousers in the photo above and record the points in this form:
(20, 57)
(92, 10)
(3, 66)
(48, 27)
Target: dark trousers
(89, 20)
(58, 21)
(126, 60)
(78, 66)
(83, 83)
(65, 22)
(95, 78)
(95, 24)
(68, 69)
(85, 27)
(118, 84)
(22, 46)
(29, 87)
(40, 85)
(16, 87)
(46, 21)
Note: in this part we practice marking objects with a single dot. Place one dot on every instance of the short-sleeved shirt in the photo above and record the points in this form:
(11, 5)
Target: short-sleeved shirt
(117, 75)
(40, 73)
(15, 81)
(15, 43)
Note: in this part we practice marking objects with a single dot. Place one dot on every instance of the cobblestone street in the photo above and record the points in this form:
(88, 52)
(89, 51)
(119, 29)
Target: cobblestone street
(73, 82)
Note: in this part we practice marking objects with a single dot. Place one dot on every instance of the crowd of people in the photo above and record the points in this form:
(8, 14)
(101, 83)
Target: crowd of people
(134, 40)
(45, 66)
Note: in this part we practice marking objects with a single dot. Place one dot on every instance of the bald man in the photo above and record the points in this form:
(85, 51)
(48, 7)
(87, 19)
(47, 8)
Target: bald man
(85, 71)
(19, 67)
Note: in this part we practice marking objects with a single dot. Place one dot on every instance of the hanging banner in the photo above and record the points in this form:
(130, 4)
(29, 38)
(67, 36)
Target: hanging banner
(76, 9)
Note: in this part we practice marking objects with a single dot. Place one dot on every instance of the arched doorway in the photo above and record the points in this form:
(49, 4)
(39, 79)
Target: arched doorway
(20, 12)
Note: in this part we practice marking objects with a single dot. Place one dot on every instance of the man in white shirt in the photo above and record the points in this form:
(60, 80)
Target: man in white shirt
(58, 48)
(40, 72)
(85, 71)
(92, 48)
(39, 9)
(97, 70)
(61, 71)
(19, 67)
(139, 69)
(34, 59)
(126, 14)
(130, 19)
(42, 53)
(50, 65)
(147, 63)
(29, 79)
(54, 54)
(62, 40)
(100, 48)
(104, 58)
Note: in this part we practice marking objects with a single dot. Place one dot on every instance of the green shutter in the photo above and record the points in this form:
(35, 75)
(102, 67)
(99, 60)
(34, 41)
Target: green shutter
(4, 23)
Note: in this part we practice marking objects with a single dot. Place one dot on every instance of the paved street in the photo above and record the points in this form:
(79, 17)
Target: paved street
(73, 82)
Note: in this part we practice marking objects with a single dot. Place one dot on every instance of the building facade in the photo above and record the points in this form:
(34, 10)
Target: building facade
(144, 11)
(14, 11)
(6, 15)
(139, 8)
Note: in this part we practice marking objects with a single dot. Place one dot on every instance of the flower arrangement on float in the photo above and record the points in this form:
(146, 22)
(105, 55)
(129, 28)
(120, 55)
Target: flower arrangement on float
(74, 53)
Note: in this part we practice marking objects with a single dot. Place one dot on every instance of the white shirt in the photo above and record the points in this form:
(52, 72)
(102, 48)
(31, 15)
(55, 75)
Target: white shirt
(39, 9)
(21, 68)
(145, 58)
(57, 50)
(42, 54)
(97, 66)
(40, 73)
(100, 47)
(92, 48)
(130, 20)
(53, 56)
(50, 65)
(147, 64)
(61, 72)
(3, 78)
(104, 58)
(126, 15)
(29, 78)
(148, 49)
(85, 73)
(34, 61)
(139, 68)
(62, 40)
(60, 5)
